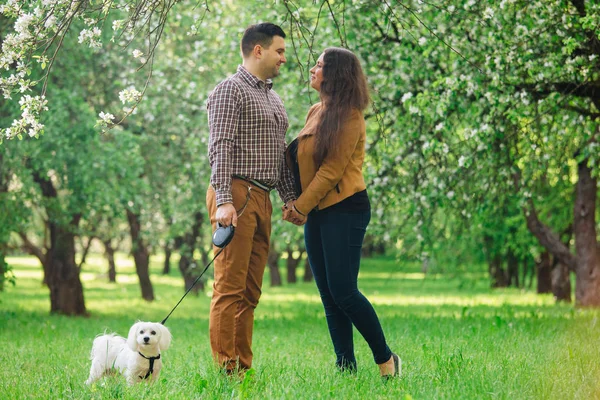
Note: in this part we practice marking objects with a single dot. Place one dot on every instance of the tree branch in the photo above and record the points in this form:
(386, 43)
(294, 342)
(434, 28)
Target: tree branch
(32, 248)
(582, 111)
(548, 239)
(85, 252)
(588, 89)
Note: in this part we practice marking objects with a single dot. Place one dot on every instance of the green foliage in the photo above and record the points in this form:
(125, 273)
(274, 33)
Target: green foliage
(6, 273)
(479, 109)
(477, 114)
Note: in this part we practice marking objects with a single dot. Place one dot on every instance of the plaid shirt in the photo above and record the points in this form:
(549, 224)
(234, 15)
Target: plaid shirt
(247, 122)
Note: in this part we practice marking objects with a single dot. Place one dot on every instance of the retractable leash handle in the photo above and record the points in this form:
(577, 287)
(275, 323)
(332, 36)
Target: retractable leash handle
(221, 238)
(223, 235)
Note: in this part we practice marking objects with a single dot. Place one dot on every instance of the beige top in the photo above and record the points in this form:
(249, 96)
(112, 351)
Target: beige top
(340, 174)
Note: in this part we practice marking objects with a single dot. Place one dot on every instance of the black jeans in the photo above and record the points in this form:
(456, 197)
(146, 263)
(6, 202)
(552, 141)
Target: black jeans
(333, 244)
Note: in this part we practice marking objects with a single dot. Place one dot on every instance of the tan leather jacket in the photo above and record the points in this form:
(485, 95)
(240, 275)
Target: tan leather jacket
(340, 175)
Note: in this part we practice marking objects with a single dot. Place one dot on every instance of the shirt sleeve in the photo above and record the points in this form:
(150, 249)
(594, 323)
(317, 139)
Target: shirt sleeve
(224, 109)
(333, 166)
(285, 185)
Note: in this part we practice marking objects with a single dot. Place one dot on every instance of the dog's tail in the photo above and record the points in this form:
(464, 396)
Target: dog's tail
(104, 344)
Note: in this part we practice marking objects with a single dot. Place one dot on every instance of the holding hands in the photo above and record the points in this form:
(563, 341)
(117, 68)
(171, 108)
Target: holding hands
(291, 214)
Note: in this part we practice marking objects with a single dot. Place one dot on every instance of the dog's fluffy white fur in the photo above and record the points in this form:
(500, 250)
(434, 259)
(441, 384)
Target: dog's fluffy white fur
(131, 356)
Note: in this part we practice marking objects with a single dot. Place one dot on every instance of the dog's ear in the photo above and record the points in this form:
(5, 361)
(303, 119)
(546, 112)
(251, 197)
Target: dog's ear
(165, 337)
(132, 337)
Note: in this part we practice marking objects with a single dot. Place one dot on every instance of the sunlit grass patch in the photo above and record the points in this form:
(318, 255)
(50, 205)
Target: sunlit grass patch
(456, 336)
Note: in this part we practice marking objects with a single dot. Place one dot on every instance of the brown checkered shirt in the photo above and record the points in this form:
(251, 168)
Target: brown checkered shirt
(247, 122)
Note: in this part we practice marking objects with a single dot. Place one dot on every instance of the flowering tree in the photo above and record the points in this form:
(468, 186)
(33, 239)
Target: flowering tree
(38, 34)
(484, 123)
(153, 165)
(491, 102)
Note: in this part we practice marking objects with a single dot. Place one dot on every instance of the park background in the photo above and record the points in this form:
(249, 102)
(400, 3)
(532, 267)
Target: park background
(481, 257)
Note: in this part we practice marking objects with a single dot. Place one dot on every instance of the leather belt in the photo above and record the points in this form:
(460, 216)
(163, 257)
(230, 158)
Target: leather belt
(256, 183)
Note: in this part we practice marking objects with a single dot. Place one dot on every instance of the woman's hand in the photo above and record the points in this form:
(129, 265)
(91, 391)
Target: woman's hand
(291, 214)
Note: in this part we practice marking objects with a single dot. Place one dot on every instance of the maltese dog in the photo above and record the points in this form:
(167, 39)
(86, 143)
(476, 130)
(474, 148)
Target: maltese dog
(137, 357)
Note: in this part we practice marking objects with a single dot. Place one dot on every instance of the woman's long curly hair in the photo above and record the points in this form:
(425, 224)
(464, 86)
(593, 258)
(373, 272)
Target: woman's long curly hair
(344, 88)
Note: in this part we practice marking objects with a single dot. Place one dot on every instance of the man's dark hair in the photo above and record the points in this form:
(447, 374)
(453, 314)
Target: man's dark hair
(259, 34)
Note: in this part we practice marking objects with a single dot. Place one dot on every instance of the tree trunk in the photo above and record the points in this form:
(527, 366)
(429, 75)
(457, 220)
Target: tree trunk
(3, 270)
(587, 290)
(66, 291)
(187, 267)
(561, 282)
(512, 269)
(141, 256)
(60, 270)
(167, 263)
(308, 275)
(292, 264)
(544, 269)
(4, 230)
(497, 273)
(528, 272)
(273, 263)
(186, 245)
(109, 253)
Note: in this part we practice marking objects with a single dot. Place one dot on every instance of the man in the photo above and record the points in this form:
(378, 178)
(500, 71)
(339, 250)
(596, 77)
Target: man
(247, 122)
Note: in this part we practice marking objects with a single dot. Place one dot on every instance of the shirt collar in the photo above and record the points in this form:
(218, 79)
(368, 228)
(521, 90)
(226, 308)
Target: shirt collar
(253, 80)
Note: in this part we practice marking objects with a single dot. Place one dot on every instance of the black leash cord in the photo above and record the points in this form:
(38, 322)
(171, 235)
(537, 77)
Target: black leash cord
(191, 287)
(239, 213)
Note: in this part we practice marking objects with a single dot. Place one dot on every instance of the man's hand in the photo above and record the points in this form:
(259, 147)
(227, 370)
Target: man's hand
(291, 215)
(286, 208)
(226, 215)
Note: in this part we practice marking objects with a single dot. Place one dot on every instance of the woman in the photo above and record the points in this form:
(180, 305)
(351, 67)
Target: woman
(327, 159)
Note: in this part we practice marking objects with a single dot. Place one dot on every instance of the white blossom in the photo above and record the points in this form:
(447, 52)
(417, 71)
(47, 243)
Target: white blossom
(117, 24)
(488, 13)
(50, 22)
(91, 36)
(130, 95)
(106, 117)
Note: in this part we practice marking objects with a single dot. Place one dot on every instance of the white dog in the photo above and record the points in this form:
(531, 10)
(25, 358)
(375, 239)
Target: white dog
(137, 357)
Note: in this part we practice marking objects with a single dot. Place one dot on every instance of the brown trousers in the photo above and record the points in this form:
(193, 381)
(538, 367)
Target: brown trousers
(238, 275)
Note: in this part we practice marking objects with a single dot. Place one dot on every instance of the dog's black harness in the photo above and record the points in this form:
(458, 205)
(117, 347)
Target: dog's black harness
(151, 365)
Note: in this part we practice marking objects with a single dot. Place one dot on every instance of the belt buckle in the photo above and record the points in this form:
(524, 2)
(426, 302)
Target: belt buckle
(254, 182)
(260, 185)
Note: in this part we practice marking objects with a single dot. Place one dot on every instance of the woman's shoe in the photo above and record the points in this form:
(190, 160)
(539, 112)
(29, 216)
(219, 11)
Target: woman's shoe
(397, 368)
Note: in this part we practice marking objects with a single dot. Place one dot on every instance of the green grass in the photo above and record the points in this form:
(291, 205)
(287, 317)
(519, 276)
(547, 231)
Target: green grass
(457, 339)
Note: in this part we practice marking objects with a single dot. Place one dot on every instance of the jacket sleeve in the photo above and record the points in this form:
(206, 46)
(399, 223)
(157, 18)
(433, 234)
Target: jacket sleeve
(333, 166)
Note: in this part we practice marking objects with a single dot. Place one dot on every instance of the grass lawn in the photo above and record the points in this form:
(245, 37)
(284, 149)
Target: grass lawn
(457, 339)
